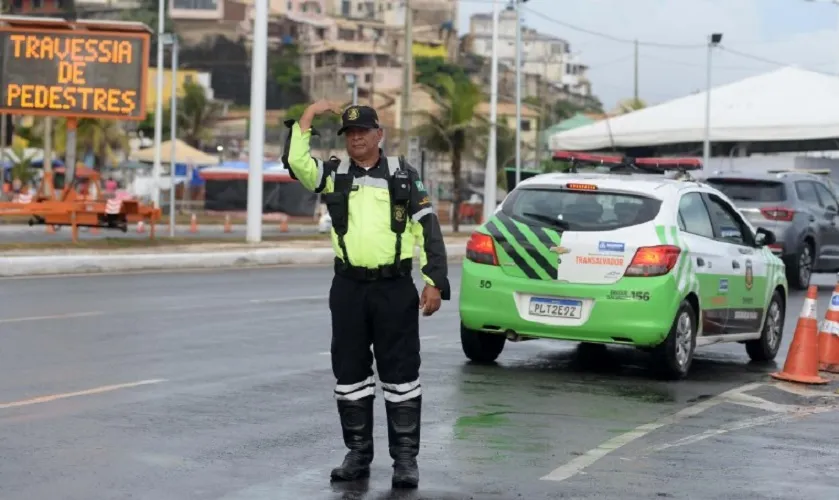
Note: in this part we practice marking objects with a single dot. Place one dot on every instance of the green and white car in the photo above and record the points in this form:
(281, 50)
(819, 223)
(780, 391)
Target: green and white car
(662, 264)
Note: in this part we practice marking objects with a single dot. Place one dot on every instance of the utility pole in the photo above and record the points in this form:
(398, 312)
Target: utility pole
(373, 71)
(635, 94)
(407, 77)
(256, 141)
(518, 90)
(491, 172)
(158, 105)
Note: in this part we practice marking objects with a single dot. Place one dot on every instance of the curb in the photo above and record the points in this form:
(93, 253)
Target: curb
(93, 263)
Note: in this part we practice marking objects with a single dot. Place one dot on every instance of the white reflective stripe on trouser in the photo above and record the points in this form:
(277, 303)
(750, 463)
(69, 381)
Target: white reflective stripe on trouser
(397, 393)
(354, 392)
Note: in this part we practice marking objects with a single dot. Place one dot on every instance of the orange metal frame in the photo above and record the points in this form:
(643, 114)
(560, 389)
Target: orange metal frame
(73, 207)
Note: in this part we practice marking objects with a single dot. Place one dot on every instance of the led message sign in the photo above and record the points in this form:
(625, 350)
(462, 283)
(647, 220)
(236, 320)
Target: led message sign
(58, 72)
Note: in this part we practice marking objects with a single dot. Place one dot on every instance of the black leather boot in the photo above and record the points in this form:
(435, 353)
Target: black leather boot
(357, 426)
(403, 429)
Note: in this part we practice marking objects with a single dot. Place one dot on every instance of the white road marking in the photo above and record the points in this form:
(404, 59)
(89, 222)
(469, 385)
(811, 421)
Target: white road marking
(288, 299)
(87, 392)
(577, 465)
(792, 414)
(325, 353)
(52, 317)
(428, 337)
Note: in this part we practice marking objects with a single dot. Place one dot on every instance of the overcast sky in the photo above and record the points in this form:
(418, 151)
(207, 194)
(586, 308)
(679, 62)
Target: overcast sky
(796, 32)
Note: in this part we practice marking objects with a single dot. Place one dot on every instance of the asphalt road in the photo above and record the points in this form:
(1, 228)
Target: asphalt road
(217, 385)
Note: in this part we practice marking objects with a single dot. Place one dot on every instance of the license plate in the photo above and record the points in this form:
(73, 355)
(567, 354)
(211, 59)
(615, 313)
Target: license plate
(556, 308)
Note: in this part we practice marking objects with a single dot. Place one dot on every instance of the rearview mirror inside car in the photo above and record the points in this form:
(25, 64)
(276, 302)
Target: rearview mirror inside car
(764, 237)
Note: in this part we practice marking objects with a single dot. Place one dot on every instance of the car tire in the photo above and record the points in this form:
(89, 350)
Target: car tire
(481, 347)
(673, 357)
(800, 267)
(766, 347)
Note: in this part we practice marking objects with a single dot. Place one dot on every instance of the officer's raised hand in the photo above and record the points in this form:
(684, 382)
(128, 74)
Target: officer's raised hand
(430, 300)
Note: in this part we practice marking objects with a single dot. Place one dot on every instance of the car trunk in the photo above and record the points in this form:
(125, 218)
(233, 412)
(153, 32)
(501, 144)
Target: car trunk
(571, 236)
(752, 195)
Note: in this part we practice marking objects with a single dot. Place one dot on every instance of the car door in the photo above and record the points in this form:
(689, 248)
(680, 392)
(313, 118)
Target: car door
(697, 231)
(744, 265)
(809, 200)
(830, 236)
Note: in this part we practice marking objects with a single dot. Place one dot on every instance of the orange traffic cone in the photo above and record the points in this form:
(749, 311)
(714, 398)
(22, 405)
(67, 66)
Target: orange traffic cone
(227, 227)
(829, 336)
(802, 363)
(193, 224)
(141, 228)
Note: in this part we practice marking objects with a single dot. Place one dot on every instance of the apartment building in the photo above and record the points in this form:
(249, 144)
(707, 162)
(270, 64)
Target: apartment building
(547, 56)
(39, 7)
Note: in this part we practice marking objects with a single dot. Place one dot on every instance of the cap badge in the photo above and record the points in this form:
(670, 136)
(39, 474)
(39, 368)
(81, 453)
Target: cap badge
(352, 114)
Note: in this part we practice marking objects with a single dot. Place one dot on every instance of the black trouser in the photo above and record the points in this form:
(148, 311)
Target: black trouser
(382, 313)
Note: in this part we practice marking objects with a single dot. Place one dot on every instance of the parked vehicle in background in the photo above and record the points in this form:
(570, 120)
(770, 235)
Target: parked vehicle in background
(823, 173)
(801, 210)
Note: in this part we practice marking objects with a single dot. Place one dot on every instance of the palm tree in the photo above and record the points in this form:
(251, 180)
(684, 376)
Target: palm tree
(452, 127)
(197, 115)
(22, 165)
(505, 149)
(102, 138)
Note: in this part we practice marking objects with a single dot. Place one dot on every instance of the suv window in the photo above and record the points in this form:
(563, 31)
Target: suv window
(581, 210)
(750, 189)
(806, 191)
(693, 216)
(728, 225)
(827, 198)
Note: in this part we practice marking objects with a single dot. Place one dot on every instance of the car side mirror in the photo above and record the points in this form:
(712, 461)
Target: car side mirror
(764, 237)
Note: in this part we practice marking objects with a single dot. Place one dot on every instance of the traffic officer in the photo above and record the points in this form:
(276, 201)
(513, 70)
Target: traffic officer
(380, 210)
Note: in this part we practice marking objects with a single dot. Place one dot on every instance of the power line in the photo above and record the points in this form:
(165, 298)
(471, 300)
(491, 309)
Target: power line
(764, 60)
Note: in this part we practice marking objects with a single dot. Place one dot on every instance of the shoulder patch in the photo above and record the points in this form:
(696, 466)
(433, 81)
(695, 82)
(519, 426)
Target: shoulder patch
(419, 185)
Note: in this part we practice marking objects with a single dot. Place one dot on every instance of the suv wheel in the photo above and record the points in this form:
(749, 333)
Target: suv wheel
(766, 347)
(674, 356)
(800, 267)
(481, 347)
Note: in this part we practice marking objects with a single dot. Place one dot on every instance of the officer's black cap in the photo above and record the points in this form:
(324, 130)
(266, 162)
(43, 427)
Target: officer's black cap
(359, 117)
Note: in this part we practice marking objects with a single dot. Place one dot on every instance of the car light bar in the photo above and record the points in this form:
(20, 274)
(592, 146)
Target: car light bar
(683, 164)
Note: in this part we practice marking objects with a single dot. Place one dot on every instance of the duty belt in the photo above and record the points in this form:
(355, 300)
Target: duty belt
(386, 272)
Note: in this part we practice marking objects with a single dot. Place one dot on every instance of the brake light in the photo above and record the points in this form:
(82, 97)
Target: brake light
(778, 213)
(481, 249)
(653, 261)
(581, 187)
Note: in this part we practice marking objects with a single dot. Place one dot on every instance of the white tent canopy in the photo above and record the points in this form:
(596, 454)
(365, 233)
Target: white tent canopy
(184, 153)
(789, 104)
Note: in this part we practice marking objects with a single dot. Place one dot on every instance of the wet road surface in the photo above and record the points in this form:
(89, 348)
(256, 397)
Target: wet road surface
(217, 385)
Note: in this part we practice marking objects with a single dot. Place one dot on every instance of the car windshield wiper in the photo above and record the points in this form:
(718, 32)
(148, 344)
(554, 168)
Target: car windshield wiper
(547, 220)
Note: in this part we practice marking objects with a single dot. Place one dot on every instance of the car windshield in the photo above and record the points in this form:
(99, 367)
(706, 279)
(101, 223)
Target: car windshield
(581, 210)
(750, 189)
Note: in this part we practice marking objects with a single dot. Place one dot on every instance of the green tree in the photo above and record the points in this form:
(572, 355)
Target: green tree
(453, 127)
(326, 125)
(197, 114)
(629, 105)
(427, 69)
(102, 138)
(505, 149)
(285, 68)
(22, 165)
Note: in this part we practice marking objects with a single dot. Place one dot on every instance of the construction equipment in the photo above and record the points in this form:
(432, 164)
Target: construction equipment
(79, 203)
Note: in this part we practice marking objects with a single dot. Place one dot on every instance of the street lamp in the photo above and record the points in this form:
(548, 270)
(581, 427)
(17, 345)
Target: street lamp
(713, 41)
(517, 9)
(491, 171)
(158, 105)
(352, 82)
(172, 39)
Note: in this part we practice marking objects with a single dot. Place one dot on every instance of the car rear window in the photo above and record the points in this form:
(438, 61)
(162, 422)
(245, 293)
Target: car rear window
(750, 190)
(580, 210)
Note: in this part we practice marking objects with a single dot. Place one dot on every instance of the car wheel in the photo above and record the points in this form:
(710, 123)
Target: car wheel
(766, 347)
(674, 356)
(481, 347)
(800, 267)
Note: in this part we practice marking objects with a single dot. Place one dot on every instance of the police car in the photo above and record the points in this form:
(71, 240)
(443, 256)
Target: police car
(631, 256)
